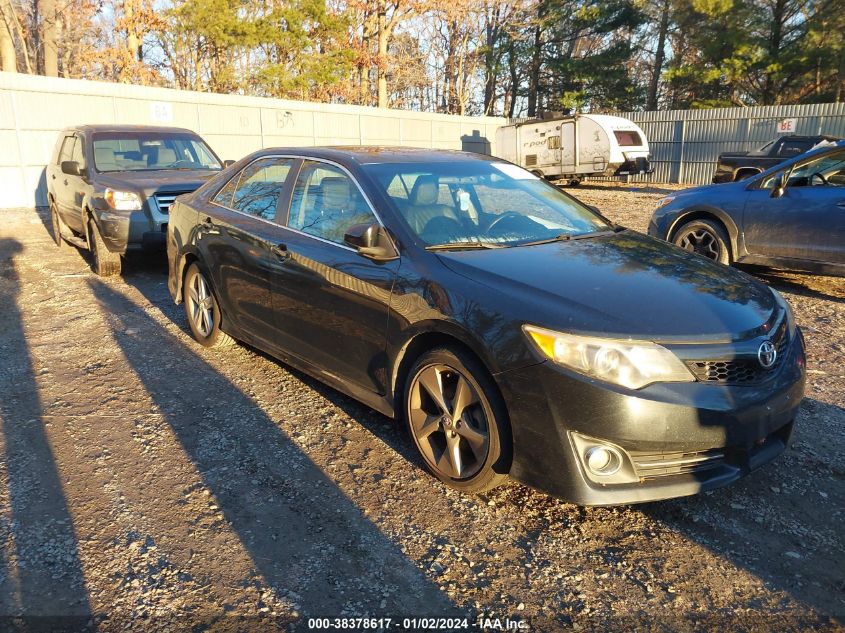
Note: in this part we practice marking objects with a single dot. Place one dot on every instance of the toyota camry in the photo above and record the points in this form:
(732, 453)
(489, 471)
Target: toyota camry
(514, 331)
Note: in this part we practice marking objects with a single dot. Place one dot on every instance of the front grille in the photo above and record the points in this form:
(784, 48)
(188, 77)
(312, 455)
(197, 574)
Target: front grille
(164, 199)
(651, 465)
(741, 371)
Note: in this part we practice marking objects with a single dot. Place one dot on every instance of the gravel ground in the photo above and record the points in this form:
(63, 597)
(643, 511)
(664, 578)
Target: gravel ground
(147, 483)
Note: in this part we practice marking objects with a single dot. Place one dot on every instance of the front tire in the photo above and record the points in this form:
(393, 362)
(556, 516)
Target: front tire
(106, 263)
(457, 420)
(705, 238)
(202, 309)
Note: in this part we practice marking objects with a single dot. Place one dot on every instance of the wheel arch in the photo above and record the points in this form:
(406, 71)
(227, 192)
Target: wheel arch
(743, 173)
(424, 340)
(712, 214)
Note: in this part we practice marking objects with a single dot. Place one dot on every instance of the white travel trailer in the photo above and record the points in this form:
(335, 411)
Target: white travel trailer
(573, 147)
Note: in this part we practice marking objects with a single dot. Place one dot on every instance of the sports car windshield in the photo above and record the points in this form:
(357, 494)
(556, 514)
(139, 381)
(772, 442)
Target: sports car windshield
(151, 151)
(470, 204)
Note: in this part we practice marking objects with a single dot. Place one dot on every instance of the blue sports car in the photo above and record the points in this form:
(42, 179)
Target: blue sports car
(791, 216)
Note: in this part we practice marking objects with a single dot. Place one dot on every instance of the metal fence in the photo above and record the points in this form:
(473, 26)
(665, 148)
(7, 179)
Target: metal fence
(685, 144)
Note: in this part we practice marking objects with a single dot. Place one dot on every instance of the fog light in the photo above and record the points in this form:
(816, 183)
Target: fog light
(603, 460)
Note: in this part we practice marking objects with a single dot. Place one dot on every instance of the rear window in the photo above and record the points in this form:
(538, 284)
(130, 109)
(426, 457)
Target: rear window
(627, 138)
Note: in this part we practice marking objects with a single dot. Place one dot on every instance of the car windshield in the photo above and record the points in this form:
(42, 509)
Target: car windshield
(151, 151)
(478, 203)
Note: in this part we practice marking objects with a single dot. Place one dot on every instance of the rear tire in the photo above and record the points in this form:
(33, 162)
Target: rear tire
(457, 420)
(58, 227)
(203, 310)
(705, 238)
(106, 263)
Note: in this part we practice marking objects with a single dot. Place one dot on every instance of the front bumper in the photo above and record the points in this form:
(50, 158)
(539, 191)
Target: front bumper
(679, 438)
(145, 229)
(635, 167)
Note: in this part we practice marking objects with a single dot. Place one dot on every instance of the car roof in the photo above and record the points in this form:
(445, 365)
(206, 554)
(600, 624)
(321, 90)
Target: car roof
(113, 127)
(367, 155)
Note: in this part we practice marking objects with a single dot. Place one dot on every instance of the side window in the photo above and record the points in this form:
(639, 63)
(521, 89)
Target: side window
(259, 187)
(66, 153)
(78, 154)
(793, 147)
(554, 142)
(224, 196)
(326, 202)
(819, 172)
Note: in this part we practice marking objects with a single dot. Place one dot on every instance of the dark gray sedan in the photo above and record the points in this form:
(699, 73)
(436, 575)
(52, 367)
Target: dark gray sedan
(513, 330)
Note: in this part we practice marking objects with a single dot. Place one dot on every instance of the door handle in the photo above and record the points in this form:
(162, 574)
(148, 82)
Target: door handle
(841, 205)
(280, 250)
(65, 181)
(53, 176)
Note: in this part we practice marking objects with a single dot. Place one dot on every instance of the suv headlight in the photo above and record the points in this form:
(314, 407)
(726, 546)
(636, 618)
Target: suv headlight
(122, 200)
(632, 364)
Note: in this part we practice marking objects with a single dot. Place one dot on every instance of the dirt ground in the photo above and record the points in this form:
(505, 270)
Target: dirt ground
(149, 484)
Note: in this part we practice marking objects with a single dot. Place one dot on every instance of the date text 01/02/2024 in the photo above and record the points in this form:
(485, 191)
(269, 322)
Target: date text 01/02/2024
(416, 624)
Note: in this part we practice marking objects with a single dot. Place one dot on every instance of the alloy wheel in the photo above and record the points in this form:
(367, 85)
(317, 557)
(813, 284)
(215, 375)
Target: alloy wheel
(702, 242)
(448, 421)
(201, 305)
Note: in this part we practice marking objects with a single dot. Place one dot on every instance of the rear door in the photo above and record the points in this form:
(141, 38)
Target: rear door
(239, 242)
(332, 303)
(808, 221)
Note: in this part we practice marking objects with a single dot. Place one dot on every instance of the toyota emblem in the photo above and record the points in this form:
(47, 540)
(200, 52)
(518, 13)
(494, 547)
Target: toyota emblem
(767, 354)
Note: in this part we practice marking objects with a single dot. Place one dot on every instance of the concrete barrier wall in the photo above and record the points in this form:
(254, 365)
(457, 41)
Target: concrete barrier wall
(33, 109)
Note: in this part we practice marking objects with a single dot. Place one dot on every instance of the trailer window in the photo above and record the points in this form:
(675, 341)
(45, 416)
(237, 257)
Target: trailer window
(554, 142)
(627, 138)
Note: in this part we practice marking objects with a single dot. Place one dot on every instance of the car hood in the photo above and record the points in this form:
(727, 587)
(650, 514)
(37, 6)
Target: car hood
(151, 181)
(623, 284)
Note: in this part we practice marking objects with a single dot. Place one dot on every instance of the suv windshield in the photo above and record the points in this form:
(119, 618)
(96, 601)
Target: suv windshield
(148, 151)
(481, 203)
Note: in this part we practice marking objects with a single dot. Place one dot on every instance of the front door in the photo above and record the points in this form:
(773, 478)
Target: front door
(238, 239)
(62, 184)
(332, 303)
(806, 222)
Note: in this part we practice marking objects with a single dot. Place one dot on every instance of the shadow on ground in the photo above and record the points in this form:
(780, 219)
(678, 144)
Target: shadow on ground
(42, 585)
(305, 537)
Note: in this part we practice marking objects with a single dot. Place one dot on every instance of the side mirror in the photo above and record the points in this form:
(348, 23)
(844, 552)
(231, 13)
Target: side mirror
(372, 241)
(71, 168)
(229, 163)
(780, 187)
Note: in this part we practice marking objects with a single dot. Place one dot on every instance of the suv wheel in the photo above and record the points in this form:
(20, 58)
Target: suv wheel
(106, 263)
(202, 309)
(705, 238)
(457, 420)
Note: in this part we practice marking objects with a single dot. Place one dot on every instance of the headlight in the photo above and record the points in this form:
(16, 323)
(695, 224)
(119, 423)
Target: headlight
(632, 364)
(664, 201)
(783, 303)
(122, 200)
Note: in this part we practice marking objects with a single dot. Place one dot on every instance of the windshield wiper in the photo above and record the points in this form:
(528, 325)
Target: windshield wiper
(463, 245)
(563, 237)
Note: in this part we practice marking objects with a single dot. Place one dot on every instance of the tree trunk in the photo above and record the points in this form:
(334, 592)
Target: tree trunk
(8, 62)
(659, 57)
(514, 75)
(536, 61)
(382, 54)
(133, 43)
(771, 94)
(47, 35)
